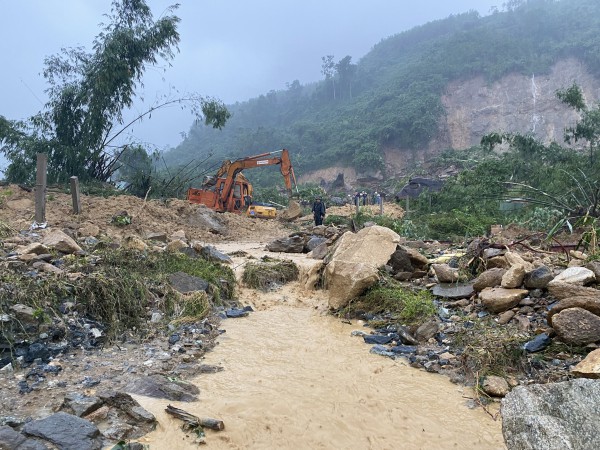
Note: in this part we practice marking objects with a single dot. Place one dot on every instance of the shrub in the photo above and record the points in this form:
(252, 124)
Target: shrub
(405, 305)
(267, 273)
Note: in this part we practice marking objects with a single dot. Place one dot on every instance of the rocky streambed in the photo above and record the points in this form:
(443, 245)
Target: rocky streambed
(501, 316)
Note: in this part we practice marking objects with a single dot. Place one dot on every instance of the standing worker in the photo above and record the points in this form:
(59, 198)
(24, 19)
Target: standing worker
(318, 210)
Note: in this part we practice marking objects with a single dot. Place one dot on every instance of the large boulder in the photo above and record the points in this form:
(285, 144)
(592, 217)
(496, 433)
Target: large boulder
(354, 263)
(577, 326)
(292, 244)
(292, 212)
(552, 416)
(591, 304)
(66, 431)
(206, 218)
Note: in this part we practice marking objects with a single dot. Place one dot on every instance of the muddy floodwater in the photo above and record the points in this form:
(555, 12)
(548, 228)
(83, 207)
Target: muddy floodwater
(296, 379)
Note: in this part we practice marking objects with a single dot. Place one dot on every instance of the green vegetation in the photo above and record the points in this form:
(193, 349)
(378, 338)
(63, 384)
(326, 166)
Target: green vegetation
(88, 92)
(268, 272)
(490, 349)
(407, 306)
(119, 288)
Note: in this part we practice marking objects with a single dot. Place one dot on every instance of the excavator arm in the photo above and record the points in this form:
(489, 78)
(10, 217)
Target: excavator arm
(264, 159)
(218, 190)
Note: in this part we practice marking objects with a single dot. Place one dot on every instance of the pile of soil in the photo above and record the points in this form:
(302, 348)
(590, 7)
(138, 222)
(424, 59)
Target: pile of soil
(151, 216)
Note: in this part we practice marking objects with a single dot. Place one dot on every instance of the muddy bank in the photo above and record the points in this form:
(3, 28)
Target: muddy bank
(296, 379)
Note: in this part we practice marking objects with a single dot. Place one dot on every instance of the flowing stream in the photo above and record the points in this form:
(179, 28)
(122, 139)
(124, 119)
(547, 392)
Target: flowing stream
(296, 379)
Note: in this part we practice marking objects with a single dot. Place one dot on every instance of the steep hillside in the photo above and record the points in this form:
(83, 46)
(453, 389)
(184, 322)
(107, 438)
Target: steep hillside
(438, 86)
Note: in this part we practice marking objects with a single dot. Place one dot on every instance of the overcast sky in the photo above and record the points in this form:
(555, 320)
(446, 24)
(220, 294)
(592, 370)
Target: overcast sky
(230, 49)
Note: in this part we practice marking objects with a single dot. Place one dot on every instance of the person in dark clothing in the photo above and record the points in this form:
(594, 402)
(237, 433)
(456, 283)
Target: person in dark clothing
(318, 210)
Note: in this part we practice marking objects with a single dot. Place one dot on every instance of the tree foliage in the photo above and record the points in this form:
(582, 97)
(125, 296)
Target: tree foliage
(88, 92)
(588, 127)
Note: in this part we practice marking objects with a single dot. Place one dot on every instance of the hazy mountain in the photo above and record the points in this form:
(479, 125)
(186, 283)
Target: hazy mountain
(437, 86)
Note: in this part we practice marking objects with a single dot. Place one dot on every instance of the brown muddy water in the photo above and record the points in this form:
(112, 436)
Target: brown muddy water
(295, 379)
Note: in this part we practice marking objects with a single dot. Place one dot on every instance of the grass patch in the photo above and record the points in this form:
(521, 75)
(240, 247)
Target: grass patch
(160, 265)
(266, 273)
(191, 308)
(490, 349)
(6, 230)
(119, 289)
(405, 305)
(334, 219)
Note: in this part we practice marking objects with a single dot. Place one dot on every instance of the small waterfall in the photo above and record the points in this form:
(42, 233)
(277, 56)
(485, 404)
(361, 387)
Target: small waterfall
(535, 118)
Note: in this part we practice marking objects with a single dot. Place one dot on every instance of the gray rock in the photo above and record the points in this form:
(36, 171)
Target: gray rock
(210, 253)
(400, 261)
(554, 416)
(314, 242)
(489, 253)
(538, 278)
(11, 439)
(377, 339)
(320, 251)
(66, 431)
(157, 386)
(293, 244)
(184, 283)
(574, 275)
(538, 343)
(404, 349)
(81, 405)
(594, 266)
(577, 326)
(427, 330)
(208, 219)
(381, 350)
(453, 290)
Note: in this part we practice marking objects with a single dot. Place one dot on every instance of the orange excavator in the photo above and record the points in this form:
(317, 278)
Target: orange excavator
(230, 191)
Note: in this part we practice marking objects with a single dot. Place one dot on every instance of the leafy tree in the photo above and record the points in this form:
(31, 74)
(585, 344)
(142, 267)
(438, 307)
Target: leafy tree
(346, 71)
(88, 93)
(588, 127)
(328, 70)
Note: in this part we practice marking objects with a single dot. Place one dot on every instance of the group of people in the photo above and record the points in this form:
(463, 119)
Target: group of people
(363, 198)
(360, 198)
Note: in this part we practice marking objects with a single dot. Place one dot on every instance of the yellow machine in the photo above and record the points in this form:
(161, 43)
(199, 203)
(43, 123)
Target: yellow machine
(261, 211)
